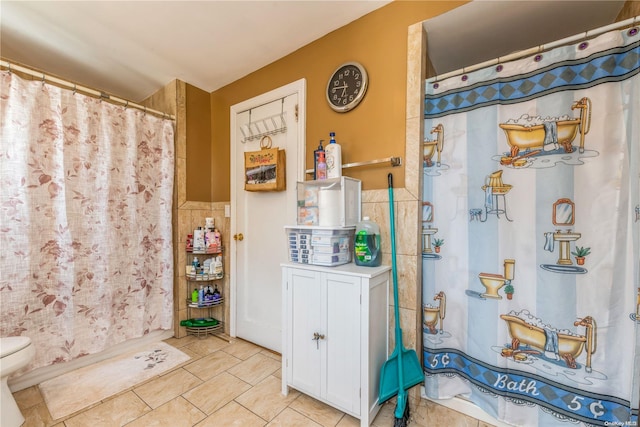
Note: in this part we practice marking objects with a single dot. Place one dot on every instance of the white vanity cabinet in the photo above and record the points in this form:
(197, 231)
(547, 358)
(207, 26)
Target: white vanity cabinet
(335, 334)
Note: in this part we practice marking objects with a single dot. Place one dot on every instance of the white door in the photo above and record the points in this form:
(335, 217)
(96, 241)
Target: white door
(258, 218)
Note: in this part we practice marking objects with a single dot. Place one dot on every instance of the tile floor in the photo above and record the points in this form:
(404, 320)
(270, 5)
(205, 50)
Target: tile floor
(224, 384)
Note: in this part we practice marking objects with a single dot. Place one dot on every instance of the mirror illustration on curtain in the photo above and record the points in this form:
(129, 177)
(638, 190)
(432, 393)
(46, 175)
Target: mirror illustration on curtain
(543, 170)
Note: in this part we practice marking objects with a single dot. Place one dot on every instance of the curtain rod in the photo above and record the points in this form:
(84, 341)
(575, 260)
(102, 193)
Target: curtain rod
(537, 49)
(75, 87)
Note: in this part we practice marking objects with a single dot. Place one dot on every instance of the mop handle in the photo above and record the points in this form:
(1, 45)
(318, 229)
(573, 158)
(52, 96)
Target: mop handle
(392, 221)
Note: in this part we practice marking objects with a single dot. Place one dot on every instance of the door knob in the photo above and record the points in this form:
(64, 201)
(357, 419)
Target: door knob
(238, 236)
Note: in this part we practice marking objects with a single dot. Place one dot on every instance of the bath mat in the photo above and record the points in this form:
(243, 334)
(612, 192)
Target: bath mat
(78, 389)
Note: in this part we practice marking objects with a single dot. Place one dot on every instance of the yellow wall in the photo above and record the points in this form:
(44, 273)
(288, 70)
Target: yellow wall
(198, 130)
(373, 130)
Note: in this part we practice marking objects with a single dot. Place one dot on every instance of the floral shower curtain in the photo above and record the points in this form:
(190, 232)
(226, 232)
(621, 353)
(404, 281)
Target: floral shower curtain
(531, 236)
(85, 220)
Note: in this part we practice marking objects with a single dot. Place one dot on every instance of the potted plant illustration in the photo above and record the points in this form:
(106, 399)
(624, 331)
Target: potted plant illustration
(580, 253)
(508, 290)
(437, 243)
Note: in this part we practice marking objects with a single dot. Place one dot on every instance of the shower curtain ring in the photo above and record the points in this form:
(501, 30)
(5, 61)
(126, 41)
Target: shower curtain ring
(9, 67)
(126, 105)
(75, 88)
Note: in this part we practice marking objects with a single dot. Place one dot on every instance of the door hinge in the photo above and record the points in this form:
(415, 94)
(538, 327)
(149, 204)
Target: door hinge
(296, 113)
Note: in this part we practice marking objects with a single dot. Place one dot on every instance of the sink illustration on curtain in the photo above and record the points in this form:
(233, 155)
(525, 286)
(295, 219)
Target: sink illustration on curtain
(541, 169)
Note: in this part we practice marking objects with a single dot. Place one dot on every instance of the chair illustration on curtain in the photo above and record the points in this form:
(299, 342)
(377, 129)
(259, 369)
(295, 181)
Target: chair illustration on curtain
(548, 147)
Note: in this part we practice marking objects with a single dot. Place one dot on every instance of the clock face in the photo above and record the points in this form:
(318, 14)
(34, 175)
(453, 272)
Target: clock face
(347, 87)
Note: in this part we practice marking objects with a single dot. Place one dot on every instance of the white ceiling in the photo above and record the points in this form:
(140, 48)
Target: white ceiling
(133, 48)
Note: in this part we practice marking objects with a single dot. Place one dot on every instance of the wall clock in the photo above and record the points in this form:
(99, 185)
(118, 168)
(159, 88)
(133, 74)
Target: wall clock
(347, 87)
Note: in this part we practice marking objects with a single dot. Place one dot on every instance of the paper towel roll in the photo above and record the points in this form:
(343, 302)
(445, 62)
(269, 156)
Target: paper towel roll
(329, 208)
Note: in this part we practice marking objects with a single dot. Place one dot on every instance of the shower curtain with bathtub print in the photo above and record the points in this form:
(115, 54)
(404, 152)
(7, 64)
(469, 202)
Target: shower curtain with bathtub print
(531, 246)
(86, 187)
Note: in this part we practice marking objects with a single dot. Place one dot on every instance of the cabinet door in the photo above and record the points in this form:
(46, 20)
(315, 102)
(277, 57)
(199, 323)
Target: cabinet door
(341, 381)
(305, 296)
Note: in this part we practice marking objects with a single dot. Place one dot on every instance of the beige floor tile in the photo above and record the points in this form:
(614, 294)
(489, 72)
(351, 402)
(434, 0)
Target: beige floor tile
(37, 416)
(438, 414)
(385, 417)
(216, 393)
(212, 365)
(162, 389)
(271, 354)
(255, 369)
(242, 349)
(278, 373)
(266, 399)
(319, 412)
(181, 342)
(232, 415)
(291, 418)
(28, 397)
(348, 421)
(175, 413)
(206, 345)
(114, 412)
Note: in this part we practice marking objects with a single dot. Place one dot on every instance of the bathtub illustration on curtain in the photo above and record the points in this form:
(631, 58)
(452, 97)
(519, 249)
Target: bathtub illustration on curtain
(432, 152)
(543, 142)
(432, 315)
(532, 340)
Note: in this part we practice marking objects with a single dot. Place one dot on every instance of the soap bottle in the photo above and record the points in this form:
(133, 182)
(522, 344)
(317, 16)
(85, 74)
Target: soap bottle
(216, 294)
(201, 294)
(194, 296)
(333, 157)
(366, 245)
(316, 156)
(217, 268)
(321, 171)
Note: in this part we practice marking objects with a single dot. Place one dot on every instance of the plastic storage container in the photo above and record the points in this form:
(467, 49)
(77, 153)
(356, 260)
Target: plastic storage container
(366, 246)
(320, 245)
(332, 202)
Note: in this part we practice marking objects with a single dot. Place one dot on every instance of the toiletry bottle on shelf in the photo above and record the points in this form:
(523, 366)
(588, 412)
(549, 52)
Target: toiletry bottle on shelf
(333, 157)
(194, 296)
(217, 268)
(316, 156)
(321, 171)
(216, 294)
(201, 295)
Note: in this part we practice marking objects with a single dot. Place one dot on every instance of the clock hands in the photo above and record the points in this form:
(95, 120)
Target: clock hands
(343, 87)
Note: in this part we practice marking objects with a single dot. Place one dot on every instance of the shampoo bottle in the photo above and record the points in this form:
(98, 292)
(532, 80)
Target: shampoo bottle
(333, 155)
(316, 156)
(321, 171)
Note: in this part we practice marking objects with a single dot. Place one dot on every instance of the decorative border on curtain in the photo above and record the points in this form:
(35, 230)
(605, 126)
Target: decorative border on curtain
(612, 65)
(592, 408)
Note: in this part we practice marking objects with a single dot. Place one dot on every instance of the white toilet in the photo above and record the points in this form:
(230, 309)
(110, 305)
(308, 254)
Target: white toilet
(15, 354)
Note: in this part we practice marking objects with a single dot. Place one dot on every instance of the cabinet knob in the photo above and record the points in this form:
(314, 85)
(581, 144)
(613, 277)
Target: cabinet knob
(238, 236)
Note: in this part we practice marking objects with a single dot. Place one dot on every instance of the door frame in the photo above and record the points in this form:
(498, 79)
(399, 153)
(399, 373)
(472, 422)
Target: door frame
(297, 87)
